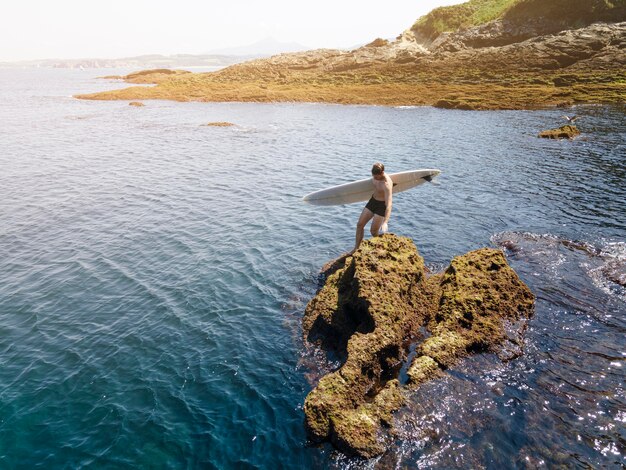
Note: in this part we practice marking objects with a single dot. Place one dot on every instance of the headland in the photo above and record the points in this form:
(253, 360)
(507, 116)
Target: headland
(482, 54)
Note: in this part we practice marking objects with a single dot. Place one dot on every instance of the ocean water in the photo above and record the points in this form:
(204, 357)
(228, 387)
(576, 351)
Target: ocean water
(154, 272)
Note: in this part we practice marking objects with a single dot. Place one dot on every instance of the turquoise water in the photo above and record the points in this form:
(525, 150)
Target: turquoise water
(154, 272)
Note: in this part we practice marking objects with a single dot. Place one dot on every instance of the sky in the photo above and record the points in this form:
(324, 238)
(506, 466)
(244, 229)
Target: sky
(71, 29)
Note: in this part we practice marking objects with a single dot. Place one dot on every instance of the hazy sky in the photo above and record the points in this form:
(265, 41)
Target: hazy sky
(41, 29)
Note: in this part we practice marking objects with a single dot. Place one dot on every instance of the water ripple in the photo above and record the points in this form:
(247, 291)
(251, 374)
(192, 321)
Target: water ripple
(153, 275)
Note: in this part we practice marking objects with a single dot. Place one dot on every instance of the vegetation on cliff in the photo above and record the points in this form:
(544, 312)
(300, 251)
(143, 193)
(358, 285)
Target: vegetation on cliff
(560, 14)
(455, 17)
(372, 307)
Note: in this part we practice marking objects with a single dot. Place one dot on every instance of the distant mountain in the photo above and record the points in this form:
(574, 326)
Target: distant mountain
(265, 47)
(217, 58)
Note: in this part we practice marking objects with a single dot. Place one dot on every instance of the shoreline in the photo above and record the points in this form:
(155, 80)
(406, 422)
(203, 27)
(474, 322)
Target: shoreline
(521, 92)
(581, 66)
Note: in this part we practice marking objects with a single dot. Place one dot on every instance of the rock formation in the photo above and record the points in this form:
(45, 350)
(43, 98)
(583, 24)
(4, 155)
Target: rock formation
(374, 304)
(563, 132)
(151, 76)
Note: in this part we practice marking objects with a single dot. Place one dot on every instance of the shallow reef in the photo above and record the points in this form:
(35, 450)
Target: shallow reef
(563, 132)
(220, 124)
(375, 304)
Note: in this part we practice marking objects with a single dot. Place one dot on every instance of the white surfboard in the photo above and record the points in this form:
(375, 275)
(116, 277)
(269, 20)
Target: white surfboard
(362, 190)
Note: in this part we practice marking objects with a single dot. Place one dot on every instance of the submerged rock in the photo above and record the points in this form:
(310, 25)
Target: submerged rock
(138, 104)
(563, 132)
(615, 271)
(372, 306)
(220, 124)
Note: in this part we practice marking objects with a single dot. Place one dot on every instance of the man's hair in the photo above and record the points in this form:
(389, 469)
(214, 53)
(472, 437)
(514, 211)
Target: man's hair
(378, 168)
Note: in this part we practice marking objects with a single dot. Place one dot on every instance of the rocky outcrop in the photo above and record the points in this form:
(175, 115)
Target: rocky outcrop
(521, 62)
(488, 47)
(368, 308)
(563, 132)
(137, 104)
(579, 49)
(152, 76)
(374, 304)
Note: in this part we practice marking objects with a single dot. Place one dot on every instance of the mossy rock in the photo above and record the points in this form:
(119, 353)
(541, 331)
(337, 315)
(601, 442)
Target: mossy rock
(565, 80)
(220, 124)
(456, 104)
(445, 347)
(360, 431)
(479, 293)
(357, 432)
(563, 132)
(372, 305)
(422, 369)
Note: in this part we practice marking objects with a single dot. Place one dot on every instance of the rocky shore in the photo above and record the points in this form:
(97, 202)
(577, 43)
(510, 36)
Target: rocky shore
(497, 65)
(375, 304)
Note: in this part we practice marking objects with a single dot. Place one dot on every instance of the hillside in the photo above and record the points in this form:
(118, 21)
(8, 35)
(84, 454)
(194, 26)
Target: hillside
(538, 16)
(455, 17)
(517, 55)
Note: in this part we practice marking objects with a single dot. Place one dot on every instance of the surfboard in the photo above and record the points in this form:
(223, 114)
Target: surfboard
(362, 190)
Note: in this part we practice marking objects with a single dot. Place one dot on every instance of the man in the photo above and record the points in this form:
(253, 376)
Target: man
(378, 207)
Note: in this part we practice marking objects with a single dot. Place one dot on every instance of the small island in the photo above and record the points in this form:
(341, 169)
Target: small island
(563, 132)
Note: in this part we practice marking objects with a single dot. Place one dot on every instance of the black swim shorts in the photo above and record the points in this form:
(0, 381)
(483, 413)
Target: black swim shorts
(376, 206)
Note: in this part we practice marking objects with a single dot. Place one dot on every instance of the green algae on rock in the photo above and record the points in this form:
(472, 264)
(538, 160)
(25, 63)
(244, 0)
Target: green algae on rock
(563, 132)
(480, 293)
(369, 308)
(372, 306)
(220, 124)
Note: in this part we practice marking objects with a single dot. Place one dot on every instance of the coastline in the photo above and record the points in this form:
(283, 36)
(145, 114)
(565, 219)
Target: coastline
(582, 66)
(513, 93)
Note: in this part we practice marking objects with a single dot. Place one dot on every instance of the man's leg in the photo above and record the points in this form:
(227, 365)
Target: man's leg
(376, 224)
(365, 217)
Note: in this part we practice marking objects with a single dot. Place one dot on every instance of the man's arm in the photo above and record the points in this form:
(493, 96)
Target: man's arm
(388, 198)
